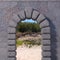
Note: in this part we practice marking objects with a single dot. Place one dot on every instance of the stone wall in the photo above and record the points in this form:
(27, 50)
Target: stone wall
(51, 9)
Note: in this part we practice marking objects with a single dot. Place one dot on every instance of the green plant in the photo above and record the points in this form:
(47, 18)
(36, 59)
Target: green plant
(28, 43)
(28, 27)
(18, 42)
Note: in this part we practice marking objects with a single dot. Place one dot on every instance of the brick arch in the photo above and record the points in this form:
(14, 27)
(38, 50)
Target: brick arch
(29, 13)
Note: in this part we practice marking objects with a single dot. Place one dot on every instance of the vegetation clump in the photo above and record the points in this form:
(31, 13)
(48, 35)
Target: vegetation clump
(28, 27)
(28, 43)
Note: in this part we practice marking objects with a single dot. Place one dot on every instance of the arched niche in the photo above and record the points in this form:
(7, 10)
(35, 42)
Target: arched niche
(29, 13)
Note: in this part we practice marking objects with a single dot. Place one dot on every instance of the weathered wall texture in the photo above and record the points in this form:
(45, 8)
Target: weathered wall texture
(50, 9)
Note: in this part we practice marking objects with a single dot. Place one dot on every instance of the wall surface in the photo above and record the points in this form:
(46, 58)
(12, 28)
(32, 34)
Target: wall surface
(51, 9)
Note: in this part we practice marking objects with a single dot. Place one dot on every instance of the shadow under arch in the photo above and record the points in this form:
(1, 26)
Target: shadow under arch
(53, 40)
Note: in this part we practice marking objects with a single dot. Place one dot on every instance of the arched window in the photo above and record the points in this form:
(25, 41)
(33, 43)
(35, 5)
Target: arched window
(29, 13)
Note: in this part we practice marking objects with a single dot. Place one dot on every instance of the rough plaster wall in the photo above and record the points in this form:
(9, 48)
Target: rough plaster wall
(48, 8)
(3, 28)
(29, 0)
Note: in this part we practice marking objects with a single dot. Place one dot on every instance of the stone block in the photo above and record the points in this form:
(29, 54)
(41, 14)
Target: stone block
(35, 14)
(12, 42)
(28, 12)
(40, 18)
(46, 58)
(11, 53)
(46, 47)
(12, 23)
(45, 30)
(47, 54)
(11, 30)
(45, 42)
(11, 58)
(11, 36)
(46, 36)
(45, 23)
(16, 18)
(21, 15)
(11, 48)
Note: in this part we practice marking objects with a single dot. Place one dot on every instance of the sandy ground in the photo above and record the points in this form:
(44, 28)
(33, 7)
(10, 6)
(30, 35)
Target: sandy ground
(25, 53)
